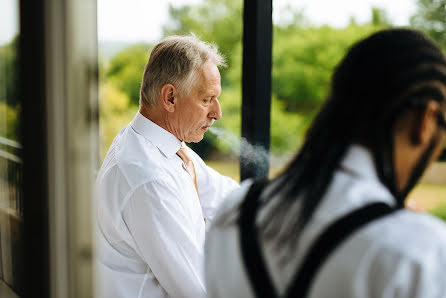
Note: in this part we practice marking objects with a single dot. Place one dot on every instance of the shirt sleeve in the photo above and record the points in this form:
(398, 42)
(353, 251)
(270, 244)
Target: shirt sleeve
(165, 237)
(213, 189)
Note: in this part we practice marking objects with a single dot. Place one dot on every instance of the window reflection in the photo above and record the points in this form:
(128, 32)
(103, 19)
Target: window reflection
(11, 198)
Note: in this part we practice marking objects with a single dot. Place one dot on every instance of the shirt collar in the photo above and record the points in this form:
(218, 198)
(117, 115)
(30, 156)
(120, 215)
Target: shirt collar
(359, 161)
(166, 142)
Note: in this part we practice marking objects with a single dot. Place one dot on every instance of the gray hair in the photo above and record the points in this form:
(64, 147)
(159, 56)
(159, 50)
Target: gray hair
(176, 60)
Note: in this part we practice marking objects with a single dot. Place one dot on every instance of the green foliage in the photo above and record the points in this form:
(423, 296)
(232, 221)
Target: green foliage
(304, 59)
(215, 21)
(9, 70)
(440, 212)
(380, 17)
(116, 112)
(431, 18)
(286, 128)
(126, 69)
(9, 121)
(9, 91)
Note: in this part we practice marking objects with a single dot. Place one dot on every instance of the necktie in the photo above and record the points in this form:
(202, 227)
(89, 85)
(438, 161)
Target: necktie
(188, 165)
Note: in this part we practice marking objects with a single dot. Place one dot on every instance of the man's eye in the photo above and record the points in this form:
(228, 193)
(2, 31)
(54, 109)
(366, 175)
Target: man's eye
(205, 100)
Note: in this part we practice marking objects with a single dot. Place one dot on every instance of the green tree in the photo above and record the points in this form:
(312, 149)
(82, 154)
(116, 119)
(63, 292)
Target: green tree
(10, 124)
(215, 21)
(125, 70)
(431, 18)
(116, 112)
(304, 59)
(10, 108)
(440, 212)
(9, 66)
(380, 17)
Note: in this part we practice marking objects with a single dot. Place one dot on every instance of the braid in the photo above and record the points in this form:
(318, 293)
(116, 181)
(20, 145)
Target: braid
(371, 87)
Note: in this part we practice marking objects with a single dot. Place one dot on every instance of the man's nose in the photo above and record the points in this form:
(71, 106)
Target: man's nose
(215, 112)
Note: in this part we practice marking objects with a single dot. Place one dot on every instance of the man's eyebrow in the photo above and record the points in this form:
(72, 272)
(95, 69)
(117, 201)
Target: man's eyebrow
(210, 94)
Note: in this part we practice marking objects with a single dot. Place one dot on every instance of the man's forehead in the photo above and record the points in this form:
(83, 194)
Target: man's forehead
(208, 79)
(209, 71)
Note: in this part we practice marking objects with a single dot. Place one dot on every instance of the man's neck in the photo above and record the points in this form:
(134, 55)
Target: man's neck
(157, 116)
(406, 156)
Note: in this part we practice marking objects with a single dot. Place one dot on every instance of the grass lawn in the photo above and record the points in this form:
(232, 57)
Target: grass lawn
(429, 197)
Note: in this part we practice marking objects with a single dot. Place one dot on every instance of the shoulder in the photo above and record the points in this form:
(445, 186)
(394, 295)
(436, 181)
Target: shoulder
(134, 168)
(133, 146)
(409, 249)
(401, 253)
(420, 230)
(413, 238)
(138, 160)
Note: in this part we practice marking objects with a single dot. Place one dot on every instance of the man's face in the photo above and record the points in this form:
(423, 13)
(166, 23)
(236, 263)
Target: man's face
(195, 112)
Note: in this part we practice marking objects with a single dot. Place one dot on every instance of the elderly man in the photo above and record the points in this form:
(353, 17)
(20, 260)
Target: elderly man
(156, 194)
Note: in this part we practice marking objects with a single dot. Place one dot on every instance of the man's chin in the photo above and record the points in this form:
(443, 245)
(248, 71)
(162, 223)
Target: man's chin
(195, 139)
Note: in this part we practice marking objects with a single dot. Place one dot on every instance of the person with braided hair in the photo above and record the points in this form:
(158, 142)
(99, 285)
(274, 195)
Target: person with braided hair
(333, 224)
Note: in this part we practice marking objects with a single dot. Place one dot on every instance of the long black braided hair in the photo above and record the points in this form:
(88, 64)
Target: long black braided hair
(379, 78)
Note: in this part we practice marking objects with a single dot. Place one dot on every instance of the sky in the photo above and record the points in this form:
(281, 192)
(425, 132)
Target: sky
(9, 23)
(142, 20)
(337, 13)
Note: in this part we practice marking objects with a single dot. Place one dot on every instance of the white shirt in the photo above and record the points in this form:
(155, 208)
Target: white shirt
(151, 227)
(401, 255)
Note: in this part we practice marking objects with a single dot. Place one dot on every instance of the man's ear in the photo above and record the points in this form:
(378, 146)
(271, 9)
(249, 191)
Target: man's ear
(426, 124)
(168, 97)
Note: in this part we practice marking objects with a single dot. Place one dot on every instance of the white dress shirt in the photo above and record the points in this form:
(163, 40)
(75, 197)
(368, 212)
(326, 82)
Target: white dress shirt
(401, 255)
(151, 226)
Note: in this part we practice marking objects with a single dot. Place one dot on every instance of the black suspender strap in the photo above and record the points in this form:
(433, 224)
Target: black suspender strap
(324, 245)
(252, 256)
(329, 240)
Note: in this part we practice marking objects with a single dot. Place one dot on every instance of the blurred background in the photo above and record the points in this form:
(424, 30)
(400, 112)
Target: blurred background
(309, 39)
(70, 73)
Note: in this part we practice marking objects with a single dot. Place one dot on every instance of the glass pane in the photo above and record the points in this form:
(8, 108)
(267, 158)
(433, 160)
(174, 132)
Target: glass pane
(310, 38)
(124, 48)
(11, 200)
